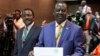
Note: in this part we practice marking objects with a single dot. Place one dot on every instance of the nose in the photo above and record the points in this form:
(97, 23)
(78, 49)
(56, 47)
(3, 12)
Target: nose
(60, 11)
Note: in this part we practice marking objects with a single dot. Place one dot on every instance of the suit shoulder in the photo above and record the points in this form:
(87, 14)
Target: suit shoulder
(20, 29)
(49, 24)
(75, 26)
(37, 27)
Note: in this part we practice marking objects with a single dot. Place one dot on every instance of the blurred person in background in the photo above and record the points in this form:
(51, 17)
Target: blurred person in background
(77, 19)
(18, 21)
(84, 8)
(89, 21)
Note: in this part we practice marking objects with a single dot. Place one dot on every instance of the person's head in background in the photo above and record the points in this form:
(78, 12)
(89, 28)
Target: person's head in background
(78, 14)
(83, 3)
(97, 18)
(17, 14)
(97, 14)
(60, 12)
(28, 16)
(89, 11)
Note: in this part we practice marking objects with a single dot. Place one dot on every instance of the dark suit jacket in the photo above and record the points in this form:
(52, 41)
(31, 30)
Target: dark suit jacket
(30, 42)
(71, 38)
(91, 22)
(95, 29)
(95, 40)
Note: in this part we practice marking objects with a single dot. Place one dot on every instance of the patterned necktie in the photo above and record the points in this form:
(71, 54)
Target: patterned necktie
(58, 34)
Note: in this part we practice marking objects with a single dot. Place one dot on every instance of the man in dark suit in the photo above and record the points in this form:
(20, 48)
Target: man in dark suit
(69, 36)
(26, 37)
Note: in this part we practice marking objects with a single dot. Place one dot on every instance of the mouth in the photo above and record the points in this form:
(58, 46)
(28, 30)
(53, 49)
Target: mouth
(60, 16)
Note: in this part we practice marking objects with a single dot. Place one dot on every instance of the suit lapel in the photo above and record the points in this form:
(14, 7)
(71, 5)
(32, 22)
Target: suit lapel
(65, 32)
(52, 34)
(30, 34)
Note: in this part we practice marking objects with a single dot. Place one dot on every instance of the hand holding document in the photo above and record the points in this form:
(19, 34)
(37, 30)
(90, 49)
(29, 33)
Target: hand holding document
(48, 51)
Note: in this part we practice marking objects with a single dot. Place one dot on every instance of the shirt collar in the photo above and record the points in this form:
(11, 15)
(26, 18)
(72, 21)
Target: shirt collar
(62, 24)
(29, 26)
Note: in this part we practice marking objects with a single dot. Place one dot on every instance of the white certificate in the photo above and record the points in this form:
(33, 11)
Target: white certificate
(48, 51)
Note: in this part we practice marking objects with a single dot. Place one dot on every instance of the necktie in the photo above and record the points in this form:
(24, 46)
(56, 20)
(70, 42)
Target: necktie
(25, 34)
(58, 33)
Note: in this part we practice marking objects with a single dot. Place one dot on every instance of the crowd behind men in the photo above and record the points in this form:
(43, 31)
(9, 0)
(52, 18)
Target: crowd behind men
(89, 22)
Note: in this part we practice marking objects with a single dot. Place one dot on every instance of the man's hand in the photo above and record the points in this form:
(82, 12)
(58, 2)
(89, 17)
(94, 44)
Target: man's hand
(31, 53)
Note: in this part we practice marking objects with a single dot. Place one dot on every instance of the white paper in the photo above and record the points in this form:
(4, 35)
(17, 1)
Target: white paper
(48, 51)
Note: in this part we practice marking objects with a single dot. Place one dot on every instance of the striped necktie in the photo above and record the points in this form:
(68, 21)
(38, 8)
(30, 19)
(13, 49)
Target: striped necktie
(58, 34)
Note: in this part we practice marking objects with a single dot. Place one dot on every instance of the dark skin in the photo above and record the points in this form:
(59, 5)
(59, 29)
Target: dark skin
(27, 17)
(60, 12)
(17, 15)
(83, 3)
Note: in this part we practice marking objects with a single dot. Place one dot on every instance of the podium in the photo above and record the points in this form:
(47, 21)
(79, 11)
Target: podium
(48, 51)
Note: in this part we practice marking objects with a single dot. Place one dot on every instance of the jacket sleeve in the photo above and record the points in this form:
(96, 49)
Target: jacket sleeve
(79, 43)
(15, 53)
(41, 40)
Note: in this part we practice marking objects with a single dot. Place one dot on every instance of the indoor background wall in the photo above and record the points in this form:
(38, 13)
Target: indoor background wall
(43, 9)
